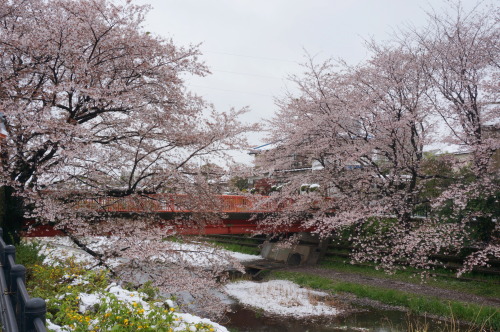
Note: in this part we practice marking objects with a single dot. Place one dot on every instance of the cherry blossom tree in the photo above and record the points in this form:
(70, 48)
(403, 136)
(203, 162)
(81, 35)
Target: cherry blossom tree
(365, 128)
(95, 107)
(463, 68)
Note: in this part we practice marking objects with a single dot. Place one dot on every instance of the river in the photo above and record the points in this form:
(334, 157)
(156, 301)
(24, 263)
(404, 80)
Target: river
(361, 319)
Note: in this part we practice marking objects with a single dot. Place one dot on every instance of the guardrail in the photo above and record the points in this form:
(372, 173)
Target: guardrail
(18, 312)
(176, 203)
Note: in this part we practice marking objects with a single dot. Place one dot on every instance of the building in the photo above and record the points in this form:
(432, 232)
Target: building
(3, 131)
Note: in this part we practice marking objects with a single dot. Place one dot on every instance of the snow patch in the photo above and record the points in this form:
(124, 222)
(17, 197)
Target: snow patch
(88, 301)
(201, 255)
(60, 248)
(131, 299)
(56, 328)
(281, 297)
(56, 249)
(190, 319)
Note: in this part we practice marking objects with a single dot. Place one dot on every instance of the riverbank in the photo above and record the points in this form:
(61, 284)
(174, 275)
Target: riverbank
(417, 288)
(354, 289)
(393, 294)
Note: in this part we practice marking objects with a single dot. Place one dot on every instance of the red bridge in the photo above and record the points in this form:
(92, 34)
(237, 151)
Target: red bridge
(241, 213)
(178, 203)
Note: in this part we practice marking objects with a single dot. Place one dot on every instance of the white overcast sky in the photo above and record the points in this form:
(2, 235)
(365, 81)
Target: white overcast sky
(251, 46)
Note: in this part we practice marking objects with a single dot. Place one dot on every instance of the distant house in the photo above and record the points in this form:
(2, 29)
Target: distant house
(493, 132)
(463, 154)
(294, 164)
(3, 132)
(303, 163)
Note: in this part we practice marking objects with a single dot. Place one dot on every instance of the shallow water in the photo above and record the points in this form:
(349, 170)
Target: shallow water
(247, 320)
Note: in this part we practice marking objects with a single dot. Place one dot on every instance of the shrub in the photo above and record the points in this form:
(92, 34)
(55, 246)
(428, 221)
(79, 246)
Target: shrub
(68, 287)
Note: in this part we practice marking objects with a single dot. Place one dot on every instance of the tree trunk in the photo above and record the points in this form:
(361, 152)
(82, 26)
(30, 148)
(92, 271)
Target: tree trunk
(12, 214)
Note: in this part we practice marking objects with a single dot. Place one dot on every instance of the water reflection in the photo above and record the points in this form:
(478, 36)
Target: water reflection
(246, 320)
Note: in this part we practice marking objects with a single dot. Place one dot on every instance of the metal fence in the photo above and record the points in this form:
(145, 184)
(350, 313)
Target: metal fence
(19, 312)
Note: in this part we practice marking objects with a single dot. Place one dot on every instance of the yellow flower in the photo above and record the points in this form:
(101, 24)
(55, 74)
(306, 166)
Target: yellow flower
(134, 304)
(172, 309)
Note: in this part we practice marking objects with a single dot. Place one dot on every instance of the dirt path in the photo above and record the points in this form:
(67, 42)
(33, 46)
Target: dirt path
(420, 289)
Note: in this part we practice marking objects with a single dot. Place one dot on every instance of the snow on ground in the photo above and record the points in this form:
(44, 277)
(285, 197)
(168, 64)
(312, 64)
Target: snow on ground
(87, 301)
(281, 297)
(240, 257)
(186, 250)
(57, 248)
(56, 328)
(182, 321)
(190, 319)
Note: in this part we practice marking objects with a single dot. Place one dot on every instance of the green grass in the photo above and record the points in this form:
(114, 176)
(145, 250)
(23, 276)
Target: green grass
(228, 246)
(489, 316)
(488, 287)
(237, 248)
(240, 239)
(173, 238)
(27, 254)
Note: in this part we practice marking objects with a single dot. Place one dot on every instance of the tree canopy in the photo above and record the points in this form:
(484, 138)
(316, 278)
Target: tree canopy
(367, 129)
(96, 106)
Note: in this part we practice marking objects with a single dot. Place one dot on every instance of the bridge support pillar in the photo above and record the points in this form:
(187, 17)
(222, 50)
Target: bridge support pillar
(308, 250)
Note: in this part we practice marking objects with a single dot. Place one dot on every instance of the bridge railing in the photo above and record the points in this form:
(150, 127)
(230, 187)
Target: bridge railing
(174, 203)
(18, 311)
